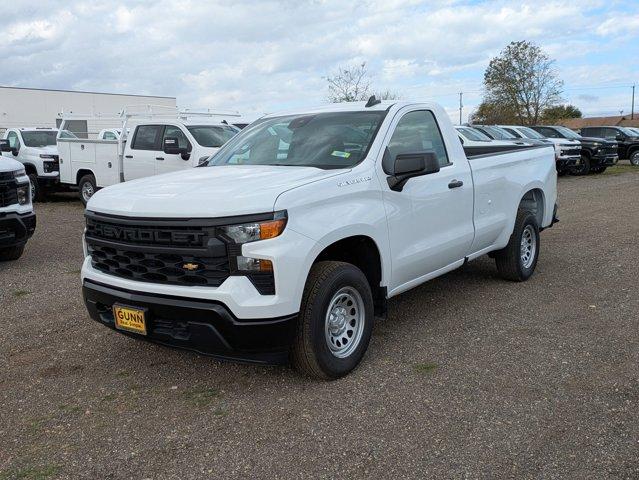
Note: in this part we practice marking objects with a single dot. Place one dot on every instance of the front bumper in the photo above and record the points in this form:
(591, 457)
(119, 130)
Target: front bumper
(565, 163)
(48, 181)
(605, 160)
(16, 228)
(206, 327)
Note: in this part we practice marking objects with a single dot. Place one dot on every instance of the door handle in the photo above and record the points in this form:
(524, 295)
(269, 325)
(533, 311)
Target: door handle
(159, 158)
(128, 156)
(455, 184)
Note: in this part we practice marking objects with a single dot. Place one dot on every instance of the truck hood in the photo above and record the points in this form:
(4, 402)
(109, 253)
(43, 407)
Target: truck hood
(9, 165)
(598, 140)
(47, 150)
(205, 192)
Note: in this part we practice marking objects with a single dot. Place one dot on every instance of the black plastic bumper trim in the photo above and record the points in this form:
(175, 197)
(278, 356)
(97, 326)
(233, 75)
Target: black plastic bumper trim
(15, 228)
(206, 327)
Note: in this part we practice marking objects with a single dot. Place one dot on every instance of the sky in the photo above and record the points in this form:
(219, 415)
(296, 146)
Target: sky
(259, 56)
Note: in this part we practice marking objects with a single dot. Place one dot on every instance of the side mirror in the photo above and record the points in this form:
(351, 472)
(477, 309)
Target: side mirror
(171, 146)
(408, 165)
(5, 146)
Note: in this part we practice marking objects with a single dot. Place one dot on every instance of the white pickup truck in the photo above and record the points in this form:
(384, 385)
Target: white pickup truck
(288, 242)
(158, 144)
(17, 220)
(36, 149)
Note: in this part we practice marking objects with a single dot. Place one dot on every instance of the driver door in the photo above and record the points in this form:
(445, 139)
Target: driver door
(173, 162)
(430, 221)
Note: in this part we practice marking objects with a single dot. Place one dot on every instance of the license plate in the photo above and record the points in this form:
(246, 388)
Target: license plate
(130, 319)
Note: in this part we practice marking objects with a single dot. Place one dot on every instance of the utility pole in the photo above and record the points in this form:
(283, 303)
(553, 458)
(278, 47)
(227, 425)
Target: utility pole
(461, 106)
(632, 110)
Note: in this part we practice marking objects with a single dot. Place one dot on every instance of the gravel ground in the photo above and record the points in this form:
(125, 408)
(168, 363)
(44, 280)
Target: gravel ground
(470, 377)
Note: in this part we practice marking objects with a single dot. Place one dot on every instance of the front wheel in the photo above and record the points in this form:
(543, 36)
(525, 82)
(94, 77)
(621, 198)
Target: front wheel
(37, 192)
(335, 322)
(11, 253)
(634, 158)
(517, 261)
(87, 188)
(583, 167)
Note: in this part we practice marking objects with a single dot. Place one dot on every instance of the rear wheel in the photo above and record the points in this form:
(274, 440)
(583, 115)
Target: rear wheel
(335, 322)
(634, 158)
(87, 188)
(11, 253)
(517, 261)
(583, 167)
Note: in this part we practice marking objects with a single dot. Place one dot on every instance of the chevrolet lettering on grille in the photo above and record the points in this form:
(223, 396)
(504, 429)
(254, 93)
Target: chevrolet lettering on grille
(132, 234)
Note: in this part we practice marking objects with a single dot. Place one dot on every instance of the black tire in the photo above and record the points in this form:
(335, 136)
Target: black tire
(634, 158)
(38, 194)
(11, 253)
(310, 352)
(87, 188)
(584, 166)
(510, 264)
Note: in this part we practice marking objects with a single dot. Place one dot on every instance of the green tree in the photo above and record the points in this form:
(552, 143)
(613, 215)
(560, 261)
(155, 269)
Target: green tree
(558, 112)
(522, 79)
(489, 113)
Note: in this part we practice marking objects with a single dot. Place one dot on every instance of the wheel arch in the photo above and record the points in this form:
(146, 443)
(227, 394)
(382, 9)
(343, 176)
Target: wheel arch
(81, 173)
(30, 168)
(363, 252)
(534, 200)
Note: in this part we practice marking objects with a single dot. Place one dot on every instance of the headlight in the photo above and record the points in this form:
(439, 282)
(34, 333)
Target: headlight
(251, 232)
(24, 193)
(248, 264)
(19, 173)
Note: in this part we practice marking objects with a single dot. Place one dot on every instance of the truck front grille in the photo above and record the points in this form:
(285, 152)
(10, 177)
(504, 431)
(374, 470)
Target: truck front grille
(571, 152)
(8, 193)
(188, 252)
(179, 268)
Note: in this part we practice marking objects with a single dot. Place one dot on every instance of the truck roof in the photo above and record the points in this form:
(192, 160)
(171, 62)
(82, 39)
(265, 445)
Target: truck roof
(354, 107)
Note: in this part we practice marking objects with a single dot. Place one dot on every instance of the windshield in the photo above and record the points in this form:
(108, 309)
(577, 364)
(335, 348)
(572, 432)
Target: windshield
(472, 134)
(566, 132)
(212, 135)
(39, 139)
(322, 140)
(530, 133)
(628, 131)
(499, 133)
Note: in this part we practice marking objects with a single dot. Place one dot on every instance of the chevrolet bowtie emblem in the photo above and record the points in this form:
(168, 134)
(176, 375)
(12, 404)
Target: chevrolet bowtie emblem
(190, 266)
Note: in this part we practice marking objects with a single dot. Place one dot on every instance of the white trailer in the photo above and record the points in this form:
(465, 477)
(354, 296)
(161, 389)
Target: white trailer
(153, 140)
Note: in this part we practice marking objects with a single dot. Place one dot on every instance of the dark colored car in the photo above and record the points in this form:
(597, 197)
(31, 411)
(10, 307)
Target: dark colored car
(627, 139)
(597, 154)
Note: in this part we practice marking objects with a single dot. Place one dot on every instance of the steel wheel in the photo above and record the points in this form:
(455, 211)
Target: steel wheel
(87, 191)
(528, 247)
(344, 323)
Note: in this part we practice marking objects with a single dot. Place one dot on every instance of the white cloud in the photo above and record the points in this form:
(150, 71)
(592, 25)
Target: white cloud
(262, 55)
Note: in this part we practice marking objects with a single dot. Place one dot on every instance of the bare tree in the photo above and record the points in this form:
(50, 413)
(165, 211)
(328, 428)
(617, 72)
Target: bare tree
(522, 80)
(349, 84)
(388, 95)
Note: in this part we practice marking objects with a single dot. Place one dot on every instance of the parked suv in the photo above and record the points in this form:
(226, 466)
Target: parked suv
(17, 220)
(596, 153)
(627, 139)
(36, 149)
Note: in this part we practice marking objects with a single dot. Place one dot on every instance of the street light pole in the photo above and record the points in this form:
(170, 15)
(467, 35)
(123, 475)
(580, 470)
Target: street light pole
(461, 106)
(632, 109)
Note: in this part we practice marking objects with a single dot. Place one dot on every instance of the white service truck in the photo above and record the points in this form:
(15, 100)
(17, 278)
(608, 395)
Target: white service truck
(17, 220)
(36, 149)
(153, 143)
(288, 242)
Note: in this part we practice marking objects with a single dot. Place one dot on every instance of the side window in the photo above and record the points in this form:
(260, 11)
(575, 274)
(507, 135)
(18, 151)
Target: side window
(418, 132)
(171, 131)
(147, 137)
(610, 133)
(13, 140)
(109, 136)
(549, 132)
(514, 132)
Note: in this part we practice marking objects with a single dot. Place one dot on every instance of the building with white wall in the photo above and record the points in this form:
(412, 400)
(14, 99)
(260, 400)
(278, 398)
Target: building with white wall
(34, 107)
